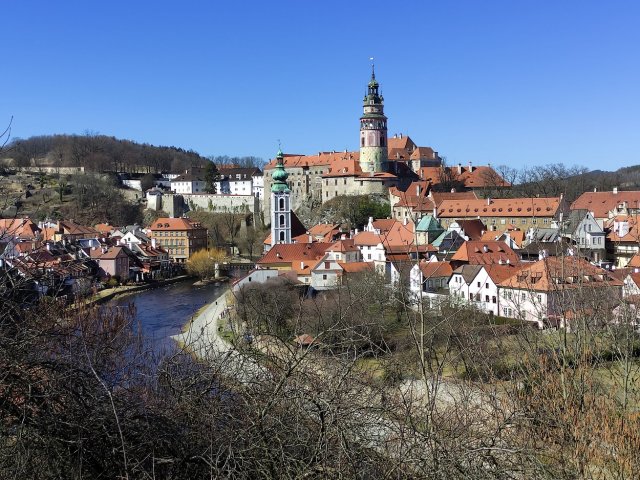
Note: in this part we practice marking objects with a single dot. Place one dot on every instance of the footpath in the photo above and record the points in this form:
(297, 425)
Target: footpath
(201, 335)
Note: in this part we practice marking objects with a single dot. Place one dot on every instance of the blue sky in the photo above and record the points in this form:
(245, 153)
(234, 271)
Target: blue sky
(506, 82)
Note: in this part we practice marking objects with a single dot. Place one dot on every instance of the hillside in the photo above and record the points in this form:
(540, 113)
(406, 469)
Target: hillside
(97, 153)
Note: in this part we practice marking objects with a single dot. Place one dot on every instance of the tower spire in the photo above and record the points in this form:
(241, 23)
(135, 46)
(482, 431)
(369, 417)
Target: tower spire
(373, 128)
(373, 69)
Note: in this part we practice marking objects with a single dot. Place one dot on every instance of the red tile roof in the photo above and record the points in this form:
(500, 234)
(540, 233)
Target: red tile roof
(355, 267)
(470, 177)
(485, 253)
(435, 269)
(284, 253)
(601, 203)
(22, 228)
(559, 273)
(500, 207)
(175, 224)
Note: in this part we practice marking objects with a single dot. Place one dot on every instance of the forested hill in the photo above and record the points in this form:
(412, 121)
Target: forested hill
(98, 153)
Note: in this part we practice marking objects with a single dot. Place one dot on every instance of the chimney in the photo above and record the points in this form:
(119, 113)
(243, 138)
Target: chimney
(459, 169)
(485, 249)
(595, 189)
(153, 243)
(343, 236)
(301, 265)
(400, 136)
(508, 261)
(615, 190)
(356, 231)
(470, 167)
(488, 200)
(453, 190)
(418, 189)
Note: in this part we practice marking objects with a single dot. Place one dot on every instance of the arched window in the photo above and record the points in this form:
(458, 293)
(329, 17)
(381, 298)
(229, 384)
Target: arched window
(282, 204)
(282, 236)
(282, 220)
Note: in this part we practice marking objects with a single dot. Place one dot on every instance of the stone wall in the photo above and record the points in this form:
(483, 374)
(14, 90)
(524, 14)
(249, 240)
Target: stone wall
(177, 205)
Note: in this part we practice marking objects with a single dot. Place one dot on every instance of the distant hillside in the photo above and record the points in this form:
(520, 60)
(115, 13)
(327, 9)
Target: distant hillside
(98, 153)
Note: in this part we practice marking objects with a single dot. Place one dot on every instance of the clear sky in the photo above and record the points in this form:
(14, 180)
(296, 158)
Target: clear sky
(505, 82)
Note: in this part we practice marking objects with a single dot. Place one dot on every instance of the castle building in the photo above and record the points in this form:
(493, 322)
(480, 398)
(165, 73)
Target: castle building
(280, 204)
(380, 163)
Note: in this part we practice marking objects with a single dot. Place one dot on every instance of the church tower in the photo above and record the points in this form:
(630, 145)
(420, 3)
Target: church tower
(280, 204)
(373, 130)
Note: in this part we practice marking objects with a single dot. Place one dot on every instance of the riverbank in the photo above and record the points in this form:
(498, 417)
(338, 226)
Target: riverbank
(110, 293)
(201, 335)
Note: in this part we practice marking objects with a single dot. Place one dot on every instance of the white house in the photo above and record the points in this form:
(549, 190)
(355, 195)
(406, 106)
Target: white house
(238, 181)
(188, 183)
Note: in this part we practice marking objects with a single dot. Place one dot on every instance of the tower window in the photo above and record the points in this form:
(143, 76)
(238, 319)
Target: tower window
(282, 236)
(362, 142)
(282, 220)
(282, 204)
(382, 141)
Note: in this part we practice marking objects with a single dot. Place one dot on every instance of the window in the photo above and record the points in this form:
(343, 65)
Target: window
(486, 298)
(486, 285)
(324, 277)
(523, 296)
(539, 298)
(327, 265)
(478, 284)
(534, 221)
(282, 236)
(494, 299)
(282, 220)
(523, 221)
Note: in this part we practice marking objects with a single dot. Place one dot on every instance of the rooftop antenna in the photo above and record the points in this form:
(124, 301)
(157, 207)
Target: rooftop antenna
(373, 70)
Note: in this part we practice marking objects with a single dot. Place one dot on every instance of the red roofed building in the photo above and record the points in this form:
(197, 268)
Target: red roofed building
(606, 205)
(556, 289)
(497, 213)
(297, 257)
(181, 237)
(485, 253)
(468, 177)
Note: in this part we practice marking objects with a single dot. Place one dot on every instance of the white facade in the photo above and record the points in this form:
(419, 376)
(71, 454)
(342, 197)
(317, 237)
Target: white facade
(481, 291)
(280, 217)
(187, 187)
(529, 305)
(326, 274)
(258, 185)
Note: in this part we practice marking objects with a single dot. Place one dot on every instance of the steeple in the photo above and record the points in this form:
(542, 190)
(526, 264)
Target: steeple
(280, 175)
(373, 129)
(280, 203)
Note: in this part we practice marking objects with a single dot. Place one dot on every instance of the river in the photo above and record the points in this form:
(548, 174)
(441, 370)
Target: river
(162, 312)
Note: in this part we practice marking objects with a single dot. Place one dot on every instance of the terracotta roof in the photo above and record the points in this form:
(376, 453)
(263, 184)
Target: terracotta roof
(321, 159)
(601, 203)
(104, 228)
(384, 224)
(472, 228)
(499, 273)
(500, 207)
(470, 177)
(22, 228)
(347, 167)
(517, 235)
(614, 226)
(175, 224)
(485, 253)
(368, 238)
(283, 253)
(342, 246)
(559, 273)
(435, 269)
(111, 253)
(355, 267)
(635, 261)
(69, 227)
(468, 272)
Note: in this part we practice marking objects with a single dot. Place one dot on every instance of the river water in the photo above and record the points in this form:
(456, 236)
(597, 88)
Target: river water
(162, 312)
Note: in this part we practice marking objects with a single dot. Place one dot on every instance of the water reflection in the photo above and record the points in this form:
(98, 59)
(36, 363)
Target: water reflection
(162, 312)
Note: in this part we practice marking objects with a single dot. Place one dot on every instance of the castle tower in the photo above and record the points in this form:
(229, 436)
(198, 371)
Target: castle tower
(373, 130)
(280, 204)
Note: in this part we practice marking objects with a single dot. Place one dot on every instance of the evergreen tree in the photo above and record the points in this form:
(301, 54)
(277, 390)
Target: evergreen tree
(211, 176)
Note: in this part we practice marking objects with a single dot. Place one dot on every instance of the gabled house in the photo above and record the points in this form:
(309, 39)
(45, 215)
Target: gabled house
(554, 290)
(586, 233)
(478, 284)
(430, 277)
(428, 229)
(485, 253)
(297, 257)
(623, 239)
